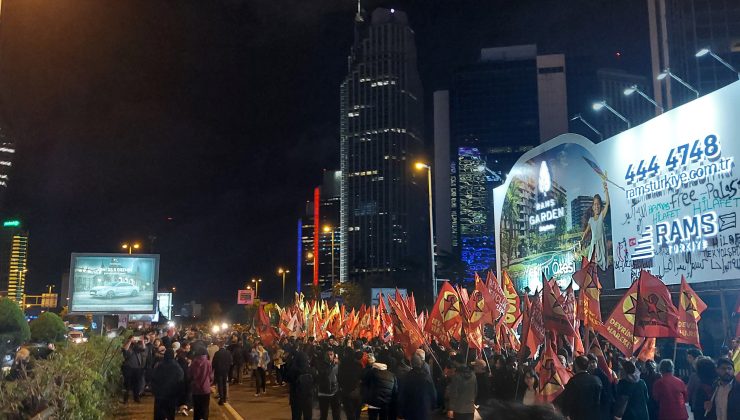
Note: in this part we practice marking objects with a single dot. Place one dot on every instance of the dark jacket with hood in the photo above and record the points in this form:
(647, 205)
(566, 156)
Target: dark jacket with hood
(222, 361)
(168, 378)
(417, 395)
(380, 386)
(462, 390)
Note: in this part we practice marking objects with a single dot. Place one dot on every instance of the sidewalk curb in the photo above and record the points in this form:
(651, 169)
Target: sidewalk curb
(234, 415)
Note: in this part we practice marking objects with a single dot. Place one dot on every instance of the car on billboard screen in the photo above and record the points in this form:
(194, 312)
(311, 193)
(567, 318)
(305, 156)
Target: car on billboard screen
(113, 283)
(115, 290)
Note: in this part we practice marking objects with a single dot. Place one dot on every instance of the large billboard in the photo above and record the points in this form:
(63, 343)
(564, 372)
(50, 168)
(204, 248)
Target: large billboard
(113, 283)
(662, 196)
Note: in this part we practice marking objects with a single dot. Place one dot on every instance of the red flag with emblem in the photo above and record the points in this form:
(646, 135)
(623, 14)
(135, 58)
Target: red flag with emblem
(499, 298)
(513, 311)
(690, 308)
(264, 329)
(617, 329)
(483, 298)
(589, 295)
(553, 313)
(553, 375)
(445, 314)
(648, 350)
(656, 316)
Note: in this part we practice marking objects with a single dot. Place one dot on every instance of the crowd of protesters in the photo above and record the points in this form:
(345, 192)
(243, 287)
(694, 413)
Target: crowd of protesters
(346, 377)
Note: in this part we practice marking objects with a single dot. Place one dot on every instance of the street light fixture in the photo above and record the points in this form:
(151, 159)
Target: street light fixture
(419, 166)
(704, 51)
(283, 273)
(329, 229)
(256, 287)
(598, 106)
(580, 118)
(632, 89)
(667, 72)
(130, 247)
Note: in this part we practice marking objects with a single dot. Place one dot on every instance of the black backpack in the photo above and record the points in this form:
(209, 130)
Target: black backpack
(304, 386)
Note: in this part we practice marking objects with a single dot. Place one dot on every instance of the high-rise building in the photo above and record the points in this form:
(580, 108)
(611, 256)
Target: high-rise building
(578, 210)
(315, 264)
(678, 30)
(612, 84)
(13, 259)
(7, 156)
(383, 234)
(498, 108)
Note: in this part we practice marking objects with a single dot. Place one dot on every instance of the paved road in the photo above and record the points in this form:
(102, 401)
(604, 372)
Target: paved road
(272, 406)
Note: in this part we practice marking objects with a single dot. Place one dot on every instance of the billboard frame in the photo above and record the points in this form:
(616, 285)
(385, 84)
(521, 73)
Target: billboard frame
(155, 280)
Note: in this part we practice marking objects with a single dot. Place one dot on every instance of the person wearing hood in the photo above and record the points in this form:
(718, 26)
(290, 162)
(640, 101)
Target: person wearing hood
(301, 380)
(632, 394)
(222, 361)
(350, 378)
(461, 393)
(201, 376)
(381, 391)
(417, 393)
(167, 380)
(581, 397)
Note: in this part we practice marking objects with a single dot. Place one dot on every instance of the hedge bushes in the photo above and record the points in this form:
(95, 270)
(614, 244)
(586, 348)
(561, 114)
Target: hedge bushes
(48, 327)
(77, 382)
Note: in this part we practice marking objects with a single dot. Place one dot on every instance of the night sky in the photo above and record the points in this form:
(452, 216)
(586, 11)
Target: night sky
(208, 123)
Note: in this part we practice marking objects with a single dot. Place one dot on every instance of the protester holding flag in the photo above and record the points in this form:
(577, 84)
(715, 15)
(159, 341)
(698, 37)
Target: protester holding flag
(461, 392)
(417, 395)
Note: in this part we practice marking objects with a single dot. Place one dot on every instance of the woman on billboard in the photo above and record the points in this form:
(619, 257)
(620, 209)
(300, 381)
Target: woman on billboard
(595, 224)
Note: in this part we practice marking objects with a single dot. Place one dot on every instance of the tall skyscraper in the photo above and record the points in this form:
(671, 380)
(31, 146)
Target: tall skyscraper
(381, 119)
(678, 30)
(498, 108)
(7, 156)
(13, 259)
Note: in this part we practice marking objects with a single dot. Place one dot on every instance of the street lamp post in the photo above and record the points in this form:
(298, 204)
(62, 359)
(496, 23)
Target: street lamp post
(704, 51)
(256, 287)
(634, 88)
(581, 119)
(668, 72)
(598, 106)
(130, 247)
(420, 166)
(283, 272)
(329, 229)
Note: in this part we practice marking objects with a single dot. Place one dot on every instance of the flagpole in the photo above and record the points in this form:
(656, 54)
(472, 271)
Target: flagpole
(634, 322)
(675, 346)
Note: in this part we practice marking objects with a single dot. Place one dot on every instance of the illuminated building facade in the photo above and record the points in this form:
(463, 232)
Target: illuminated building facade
(13, 259)
(383, 216)
(498, 108)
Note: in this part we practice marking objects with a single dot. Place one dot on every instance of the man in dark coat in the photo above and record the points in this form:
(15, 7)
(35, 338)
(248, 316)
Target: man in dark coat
(417, 394)
(133, 368)
(350, 376)
(222, 362)
(581, 398)
(167, 382)
(301, 379)
(237, 355)
(381, 391)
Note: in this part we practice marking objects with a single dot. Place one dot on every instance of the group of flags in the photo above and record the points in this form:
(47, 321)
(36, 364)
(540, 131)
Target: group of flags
(549, 319)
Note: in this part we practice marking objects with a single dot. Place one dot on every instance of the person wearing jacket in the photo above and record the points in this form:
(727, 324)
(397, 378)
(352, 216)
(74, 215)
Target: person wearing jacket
(260, 361)
(632, 394)
(133, 368)
(237, 355)
(328, 390)
(581, 397)
(201, 375)
(183, 359)
(417, 393)
(278, 362)
(301, 380)
(670, 393)
(725, 402)
(350, 378)
(167, 380)
(381, 391)
(707, 375)
(222, 362)
(461, 393)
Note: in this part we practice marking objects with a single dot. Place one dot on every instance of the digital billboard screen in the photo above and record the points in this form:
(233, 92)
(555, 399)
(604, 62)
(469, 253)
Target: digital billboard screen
(113, 283)
(662, 196)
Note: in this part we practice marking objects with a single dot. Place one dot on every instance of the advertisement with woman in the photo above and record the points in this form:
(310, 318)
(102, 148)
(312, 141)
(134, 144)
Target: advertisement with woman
(662, 196)
(556, 209)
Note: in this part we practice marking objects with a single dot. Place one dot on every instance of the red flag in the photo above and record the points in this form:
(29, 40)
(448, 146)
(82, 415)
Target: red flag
(499, 298)
(445, 313)
(589, 306)
(690, 308)
(656, 316)
(264, 329)
(618, 328)
(409, 334)
(553, 375)
(483, 298)
(513, 311)
(648, 350)
(553, 313)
